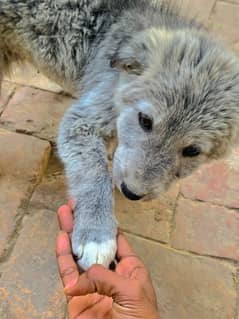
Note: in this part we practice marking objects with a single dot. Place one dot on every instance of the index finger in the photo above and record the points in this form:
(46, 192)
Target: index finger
(65, 218)
(124, 249)
(130, 265)
(68, 269)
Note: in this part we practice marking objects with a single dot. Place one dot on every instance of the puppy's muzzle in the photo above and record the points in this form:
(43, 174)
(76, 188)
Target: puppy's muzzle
(130, 195)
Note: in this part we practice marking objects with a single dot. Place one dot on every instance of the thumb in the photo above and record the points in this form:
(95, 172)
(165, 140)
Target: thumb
(98, 279)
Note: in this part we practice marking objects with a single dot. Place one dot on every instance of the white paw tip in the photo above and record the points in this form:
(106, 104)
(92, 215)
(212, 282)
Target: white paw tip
(96, 253)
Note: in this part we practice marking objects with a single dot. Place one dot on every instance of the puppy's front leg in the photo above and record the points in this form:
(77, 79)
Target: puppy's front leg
(83, 152)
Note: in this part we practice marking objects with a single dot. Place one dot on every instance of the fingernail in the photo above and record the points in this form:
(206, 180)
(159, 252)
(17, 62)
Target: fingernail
(71, 203)
(70, 285)
(120, 232)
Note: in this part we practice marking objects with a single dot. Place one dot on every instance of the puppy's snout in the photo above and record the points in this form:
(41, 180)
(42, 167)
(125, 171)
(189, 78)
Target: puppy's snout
(130, 195)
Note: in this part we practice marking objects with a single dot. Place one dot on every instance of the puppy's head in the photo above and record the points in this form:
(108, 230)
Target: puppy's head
(178, 100)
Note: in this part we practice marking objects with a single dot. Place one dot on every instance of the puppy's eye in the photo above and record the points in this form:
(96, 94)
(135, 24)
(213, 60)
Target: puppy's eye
(145, 122)
(191, 151)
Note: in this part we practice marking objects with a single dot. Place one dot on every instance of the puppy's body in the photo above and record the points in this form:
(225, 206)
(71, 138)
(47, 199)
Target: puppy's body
(63, 37)
(156, 78)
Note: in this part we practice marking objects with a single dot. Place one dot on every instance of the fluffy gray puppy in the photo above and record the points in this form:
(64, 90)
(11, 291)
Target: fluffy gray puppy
(142, 70)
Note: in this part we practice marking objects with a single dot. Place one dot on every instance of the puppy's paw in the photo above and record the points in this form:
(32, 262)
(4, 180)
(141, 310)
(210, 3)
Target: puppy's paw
(91, 248)
(95, 253)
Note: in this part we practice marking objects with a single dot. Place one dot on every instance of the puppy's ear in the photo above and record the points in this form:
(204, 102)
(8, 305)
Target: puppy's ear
(129, 65)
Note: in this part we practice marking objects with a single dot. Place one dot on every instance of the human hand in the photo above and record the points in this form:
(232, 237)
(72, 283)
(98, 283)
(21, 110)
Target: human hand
(99, 293)
(79, 307)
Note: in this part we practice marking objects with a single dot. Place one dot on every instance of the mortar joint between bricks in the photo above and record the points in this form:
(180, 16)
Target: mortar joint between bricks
(173, 221)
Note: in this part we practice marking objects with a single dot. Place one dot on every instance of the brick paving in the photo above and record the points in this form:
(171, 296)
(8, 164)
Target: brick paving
(189, 238)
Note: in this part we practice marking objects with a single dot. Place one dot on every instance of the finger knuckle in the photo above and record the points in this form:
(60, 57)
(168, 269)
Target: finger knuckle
(139, 289)
(67, 271)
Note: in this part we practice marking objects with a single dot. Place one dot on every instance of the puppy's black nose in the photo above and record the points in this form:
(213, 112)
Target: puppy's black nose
(128, 193)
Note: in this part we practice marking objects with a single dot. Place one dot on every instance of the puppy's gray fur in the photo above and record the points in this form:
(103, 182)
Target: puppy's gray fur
(124, 57)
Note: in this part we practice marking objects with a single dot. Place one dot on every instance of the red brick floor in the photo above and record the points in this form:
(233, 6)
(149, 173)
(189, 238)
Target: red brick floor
(189, 239)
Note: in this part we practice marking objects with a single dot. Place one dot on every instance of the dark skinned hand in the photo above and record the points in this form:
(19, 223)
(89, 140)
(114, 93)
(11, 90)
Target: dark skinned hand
(99, 293)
